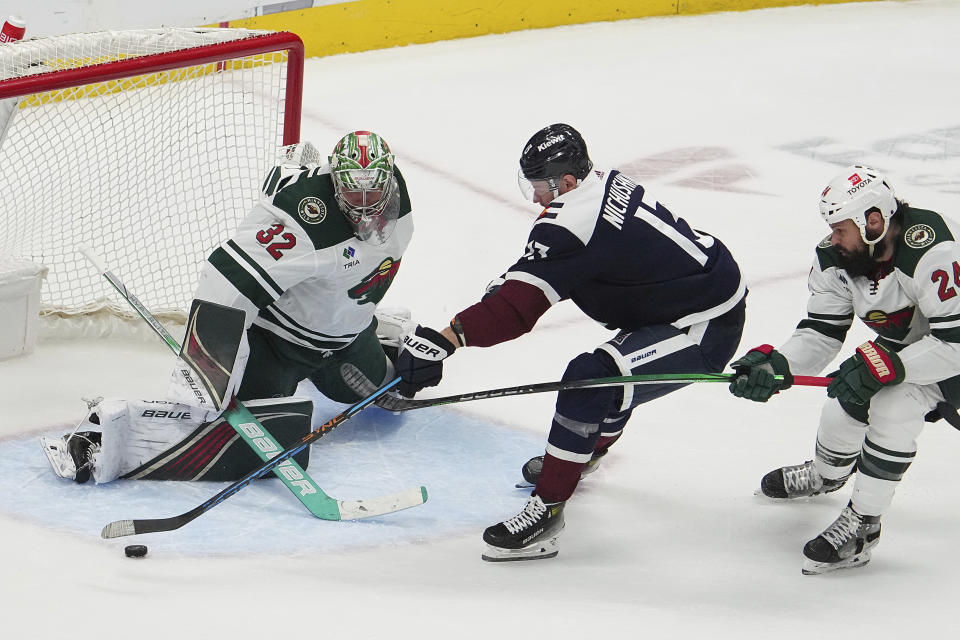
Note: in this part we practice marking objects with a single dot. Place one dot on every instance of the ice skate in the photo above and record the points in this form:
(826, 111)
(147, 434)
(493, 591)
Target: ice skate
(532, 467)
(798, 481)
(530, 535)
(72, 456)
(844, 544)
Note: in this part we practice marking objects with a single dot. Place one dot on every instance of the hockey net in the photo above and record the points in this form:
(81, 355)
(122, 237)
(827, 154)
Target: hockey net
(148, 146)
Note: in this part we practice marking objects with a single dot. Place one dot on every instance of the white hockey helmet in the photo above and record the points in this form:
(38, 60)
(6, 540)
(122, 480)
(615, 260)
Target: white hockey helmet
(854, 192)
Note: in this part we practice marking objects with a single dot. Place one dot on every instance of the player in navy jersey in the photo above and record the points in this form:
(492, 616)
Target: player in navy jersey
(675, 295)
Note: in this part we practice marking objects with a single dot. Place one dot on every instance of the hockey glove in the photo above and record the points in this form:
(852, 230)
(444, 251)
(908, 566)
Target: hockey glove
(420, 363)
(862, 375)
(755, 371)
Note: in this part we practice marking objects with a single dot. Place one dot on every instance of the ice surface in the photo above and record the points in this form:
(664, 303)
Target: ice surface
(735, 121)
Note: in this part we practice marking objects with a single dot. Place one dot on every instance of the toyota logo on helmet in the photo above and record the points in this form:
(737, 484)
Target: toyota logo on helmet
(850, 195)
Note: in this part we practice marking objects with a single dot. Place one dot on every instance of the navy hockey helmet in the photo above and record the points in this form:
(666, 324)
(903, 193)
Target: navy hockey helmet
(550, 154)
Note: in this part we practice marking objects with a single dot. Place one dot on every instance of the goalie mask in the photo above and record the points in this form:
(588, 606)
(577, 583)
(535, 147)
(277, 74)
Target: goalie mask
(366, 190)
(552, 152)
(851, 195)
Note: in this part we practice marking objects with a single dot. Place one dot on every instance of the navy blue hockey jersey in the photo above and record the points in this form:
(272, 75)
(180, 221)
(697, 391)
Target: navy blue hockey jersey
(621, 257)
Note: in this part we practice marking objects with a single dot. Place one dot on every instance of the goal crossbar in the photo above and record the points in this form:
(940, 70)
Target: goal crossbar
(193, 56)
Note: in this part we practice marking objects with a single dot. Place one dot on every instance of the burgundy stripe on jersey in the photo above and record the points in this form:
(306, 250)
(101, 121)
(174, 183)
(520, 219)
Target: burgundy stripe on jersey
(506, 314)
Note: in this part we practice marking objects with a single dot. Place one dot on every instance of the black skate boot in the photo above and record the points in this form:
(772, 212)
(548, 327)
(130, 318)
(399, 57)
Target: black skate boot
(72, 455)
(798, 481)
(82, 447)
(530, 535)
(532, 467)
(844, 544)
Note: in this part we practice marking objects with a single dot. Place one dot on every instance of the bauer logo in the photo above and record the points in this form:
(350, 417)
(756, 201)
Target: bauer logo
(643, 356)
(171, 415)
(312, 210)
(919, 236)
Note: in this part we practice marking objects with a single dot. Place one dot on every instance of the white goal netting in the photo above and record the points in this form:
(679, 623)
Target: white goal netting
(147, 146)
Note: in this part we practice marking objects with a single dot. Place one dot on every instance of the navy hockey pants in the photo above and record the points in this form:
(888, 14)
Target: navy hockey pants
(590, 419)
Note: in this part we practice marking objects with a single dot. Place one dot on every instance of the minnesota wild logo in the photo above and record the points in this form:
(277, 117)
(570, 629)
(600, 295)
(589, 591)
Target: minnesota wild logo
(919, 236)
(375, 284)
(895, 324)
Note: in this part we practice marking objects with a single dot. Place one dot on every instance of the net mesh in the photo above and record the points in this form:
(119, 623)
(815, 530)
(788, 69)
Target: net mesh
(150, 171)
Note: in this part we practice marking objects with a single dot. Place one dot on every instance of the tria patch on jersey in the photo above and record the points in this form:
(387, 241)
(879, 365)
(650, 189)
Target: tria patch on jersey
(919, 236)
(312, 210)
(350, 259)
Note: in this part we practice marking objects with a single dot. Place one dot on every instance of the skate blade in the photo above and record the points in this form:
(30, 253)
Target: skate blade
(759, 493)
(539, 551)
(813, 568)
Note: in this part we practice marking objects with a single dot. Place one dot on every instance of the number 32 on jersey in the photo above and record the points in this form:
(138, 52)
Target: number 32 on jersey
(276, 241)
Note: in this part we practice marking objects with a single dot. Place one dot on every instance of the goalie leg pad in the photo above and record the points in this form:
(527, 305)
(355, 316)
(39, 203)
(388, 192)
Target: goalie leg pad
(212, 450)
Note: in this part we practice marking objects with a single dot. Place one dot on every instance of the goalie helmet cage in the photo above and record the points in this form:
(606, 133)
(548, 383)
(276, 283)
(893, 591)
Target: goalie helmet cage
(148, 145)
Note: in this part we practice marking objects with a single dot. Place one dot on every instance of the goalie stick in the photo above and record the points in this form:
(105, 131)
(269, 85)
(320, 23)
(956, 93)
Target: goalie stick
(354, 510)
(215, 377)
(403, 404)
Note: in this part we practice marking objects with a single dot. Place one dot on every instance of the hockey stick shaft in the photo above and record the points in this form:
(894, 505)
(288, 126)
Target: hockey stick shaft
(561, 385)
(130, 527)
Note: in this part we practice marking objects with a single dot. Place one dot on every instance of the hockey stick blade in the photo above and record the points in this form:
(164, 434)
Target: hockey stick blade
(403, 404)
(349, 510)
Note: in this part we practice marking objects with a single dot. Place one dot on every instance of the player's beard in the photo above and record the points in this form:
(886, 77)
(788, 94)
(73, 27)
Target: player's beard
(859, 262)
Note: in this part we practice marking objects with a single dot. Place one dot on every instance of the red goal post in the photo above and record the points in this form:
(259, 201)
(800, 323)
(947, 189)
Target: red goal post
(147, 145)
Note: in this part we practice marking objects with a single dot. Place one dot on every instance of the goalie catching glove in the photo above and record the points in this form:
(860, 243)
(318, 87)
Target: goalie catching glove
(863, 374)
(755, 374)
(420, 363)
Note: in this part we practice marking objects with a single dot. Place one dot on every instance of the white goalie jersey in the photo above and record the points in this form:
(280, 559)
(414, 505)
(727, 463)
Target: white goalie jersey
(913, 304)
(295, 266)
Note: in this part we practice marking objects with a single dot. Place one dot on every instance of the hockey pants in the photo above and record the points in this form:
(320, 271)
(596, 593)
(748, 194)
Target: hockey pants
(588, 420)
(276, 366)
(880, 442)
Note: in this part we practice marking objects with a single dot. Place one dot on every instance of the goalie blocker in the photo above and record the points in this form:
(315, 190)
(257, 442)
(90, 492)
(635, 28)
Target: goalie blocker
(158, 440)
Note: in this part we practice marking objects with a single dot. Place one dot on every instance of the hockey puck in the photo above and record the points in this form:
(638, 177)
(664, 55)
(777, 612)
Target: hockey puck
(135, 550)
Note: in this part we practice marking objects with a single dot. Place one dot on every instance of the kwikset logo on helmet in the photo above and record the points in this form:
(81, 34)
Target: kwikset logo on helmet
(549, 142)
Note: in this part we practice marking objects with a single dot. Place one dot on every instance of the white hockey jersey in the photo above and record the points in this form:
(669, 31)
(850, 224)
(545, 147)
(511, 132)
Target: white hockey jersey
(913, 304)
(295, 266)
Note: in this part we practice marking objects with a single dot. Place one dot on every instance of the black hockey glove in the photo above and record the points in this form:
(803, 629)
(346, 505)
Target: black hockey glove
(755, 371)
(420, 363)
(863, 374)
